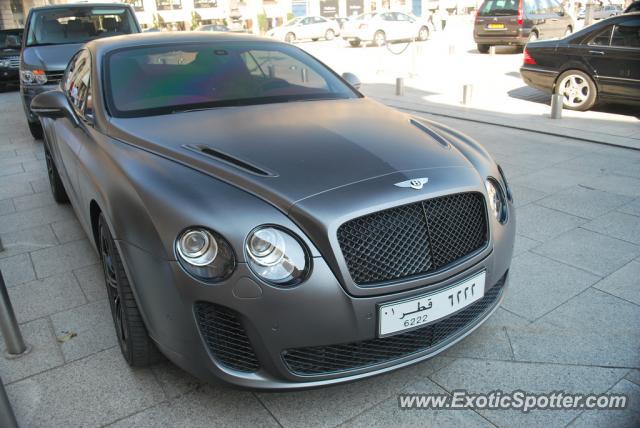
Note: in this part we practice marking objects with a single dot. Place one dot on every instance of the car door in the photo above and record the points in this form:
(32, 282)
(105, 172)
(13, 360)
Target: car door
(68, 131)
(406, 26)
(320, 26)
(388, 24)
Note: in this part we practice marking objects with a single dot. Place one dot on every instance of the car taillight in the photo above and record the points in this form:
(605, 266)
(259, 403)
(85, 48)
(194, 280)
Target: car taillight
(363, 27)
(528, 59)
(520, 12)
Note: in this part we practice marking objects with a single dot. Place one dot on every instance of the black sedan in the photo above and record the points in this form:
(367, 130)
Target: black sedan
(261, 222)
(599, 63)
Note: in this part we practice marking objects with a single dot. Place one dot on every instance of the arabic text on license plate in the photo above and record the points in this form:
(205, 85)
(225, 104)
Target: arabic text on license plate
(496, 26)
(395, 317)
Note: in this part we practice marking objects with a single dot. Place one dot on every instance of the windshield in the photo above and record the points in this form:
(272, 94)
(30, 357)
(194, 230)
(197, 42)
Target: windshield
(499, 8)
(294, 21)
(152, 80)
(363, 17)
(78, 25)
(10, 39)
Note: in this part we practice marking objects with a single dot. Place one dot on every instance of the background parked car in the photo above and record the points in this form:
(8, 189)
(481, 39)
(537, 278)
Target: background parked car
(380, 28)
(212, 27)
(306, 27)
(53, 34)
(10, 45)
(633, 7)
(601, 12)
(340, 20)
(516, 22)
(598, 63)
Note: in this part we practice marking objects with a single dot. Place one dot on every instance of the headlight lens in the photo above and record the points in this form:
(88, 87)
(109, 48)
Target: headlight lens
(5, 63)
(205, 254)
(276, 256)
(33, 77)
(496, 200)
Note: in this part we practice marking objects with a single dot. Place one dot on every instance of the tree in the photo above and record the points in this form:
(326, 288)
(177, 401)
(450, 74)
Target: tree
(195, 20)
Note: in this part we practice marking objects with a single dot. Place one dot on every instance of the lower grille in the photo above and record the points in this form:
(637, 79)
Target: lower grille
(225, 336)
(350, 356)
(54, 77)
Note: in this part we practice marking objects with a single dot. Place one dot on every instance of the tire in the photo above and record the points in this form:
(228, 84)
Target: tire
(568, 31)
(379, 38)
(483, 48)
(315, 39)
(137, 347)
(533, 37)
(354, 43)
(330, 34)
(577, 89)
(36, 130)
(57, 188)
(290, 38)
(423, 34)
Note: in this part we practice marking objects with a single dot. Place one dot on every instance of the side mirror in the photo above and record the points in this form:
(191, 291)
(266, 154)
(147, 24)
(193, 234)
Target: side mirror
(352, 79)
(54, 105)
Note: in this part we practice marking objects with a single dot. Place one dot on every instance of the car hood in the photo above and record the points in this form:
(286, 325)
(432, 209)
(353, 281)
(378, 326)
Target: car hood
(289, 152)
(53, 57)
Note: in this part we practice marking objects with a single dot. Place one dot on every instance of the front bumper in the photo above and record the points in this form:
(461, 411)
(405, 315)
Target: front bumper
(275, 321)
(9, 76)
(27, 94)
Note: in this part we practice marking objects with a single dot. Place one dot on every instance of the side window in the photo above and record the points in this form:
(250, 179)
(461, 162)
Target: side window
(319, 20)
(602, 38)
(541, 6)
(77, 85)
(403, 17)
(626, 35)
(306, 21)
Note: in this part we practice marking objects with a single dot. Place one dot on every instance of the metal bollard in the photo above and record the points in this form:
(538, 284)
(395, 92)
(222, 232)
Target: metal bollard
(9, 326)
(556, 106)
(399, 86)
(7, 417)
(492, 50)
(304, 76)
(467, 91)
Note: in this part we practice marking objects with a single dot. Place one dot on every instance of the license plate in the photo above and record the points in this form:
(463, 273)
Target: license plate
(407, 314)
(496, 26)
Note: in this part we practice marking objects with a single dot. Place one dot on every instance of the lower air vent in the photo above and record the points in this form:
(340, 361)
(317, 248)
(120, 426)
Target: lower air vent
(225, 336)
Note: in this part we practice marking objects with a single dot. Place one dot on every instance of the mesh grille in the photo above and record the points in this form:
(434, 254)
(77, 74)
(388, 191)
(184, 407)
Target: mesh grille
(350, 356)
(225, 337)
(14, 61)
(54, 76)
(413, 239)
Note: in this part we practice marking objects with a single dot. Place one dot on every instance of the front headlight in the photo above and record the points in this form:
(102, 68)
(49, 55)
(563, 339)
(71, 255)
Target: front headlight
(506, 184)
(5, 63)
(205, 254)
(497, 201)
(33, 77)
(276, 256)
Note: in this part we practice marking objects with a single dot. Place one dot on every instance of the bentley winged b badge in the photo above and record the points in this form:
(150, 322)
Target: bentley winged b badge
(414, 183)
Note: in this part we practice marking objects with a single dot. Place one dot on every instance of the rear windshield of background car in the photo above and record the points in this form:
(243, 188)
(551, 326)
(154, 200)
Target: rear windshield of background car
(499, 8)
(78, 25)
(150, 80)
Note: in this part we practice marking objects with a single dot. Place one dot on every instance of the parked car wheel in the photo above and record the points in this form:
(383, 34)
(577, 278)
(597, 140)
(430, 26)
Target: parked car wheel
(290, 38)
(483, 48)
(315, 39)
(568, 31)
(533, 37)
(577, 89)
(329, 35)
(136, 345)
(423, 34)
(379, 38)
(57, 188)
(354, 43)
(36, 130)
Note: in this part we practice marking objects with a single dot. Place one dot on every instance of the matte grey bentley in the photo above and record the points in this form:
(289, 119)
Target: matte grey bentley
(261, 222)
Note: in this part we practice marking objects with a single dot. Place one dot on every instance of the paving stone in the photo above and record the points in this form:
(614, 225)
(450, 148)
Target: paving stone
(633, 376)
(174, 381)
(542, 223)
(478, 376)
(41, 185)
(590, 251)
(17, 270)
(615, 184)
(523, 195)
(593, 328)
(24, 241)
(631, 208)
(93, 391)
(617, 225)
(207, 406)
(47, 296)
(619, 418)
(34, 200)
(584, 202)
(91, 280)
(6, 207)
(68, 230)
(624, 283)
(34, 165)
(538, 284)
(610, 163)
(513, 171)
(12, 186)
(389, 414)
(11, 169)
(524, 244)
(36, 217)
(44, 353)
(93, 326)
(554, 179)
(333, 405)
(65, 257)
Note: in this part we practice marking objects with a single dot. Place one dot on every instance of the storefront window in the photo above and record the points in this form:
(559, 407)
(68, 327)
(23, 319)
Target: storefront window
(168, 4)
(136, 4)
(199, 4)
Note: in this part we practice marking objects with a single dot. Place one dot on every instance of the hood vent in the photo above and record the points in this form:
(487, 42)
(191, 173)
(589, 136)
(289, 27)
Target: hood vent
(431, 132)
(231, 160)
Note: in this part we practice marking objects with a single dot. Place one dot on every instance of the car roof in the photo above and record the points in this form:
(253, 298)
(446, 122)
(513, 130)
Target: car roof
(107, 44)
(79, 5)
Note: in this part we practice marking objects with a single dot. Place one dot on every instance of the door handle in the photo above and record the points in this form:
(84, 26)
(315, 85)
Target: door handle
(597, 53)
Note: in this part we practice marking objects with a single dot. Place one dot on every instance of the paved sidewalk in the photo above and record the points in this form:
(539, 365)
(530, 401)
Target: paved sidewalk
(570, 320)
